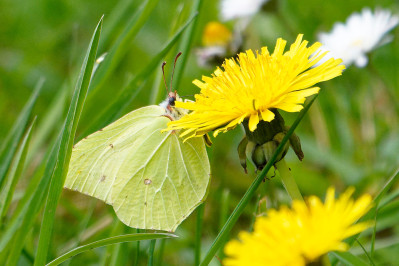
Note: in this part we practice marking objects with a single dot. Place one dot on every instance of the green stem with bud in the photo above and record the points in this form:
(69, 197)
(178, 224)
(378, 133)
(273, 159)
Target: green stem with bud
(288, 180)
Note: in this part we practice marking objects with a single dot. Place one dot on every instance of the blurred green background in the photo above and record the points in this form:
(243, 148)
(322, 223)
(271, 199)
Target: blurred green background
(350, 137)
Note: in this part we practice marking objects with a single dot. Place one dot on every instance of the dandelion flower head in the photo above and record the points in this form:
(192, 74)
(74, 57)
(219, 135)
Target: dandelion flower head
(302, 234)
(361, 33)
(254, 83)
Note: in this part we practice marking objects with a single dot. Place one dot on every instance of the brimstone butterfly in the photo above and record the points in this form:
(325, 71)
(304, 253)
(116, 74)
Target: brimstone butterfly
(153, 180)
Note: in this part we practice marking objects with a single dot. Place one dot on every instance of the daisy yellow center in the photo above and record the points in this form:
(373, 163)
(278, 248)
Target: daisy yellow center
(302, 234)
(254, 83)
(216, 34)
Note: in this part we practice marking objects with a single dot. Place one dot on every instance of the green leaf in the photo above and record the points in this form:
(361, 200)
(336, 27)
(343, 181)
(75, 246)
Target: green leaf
(109, 241)
(64, 153)
(14, 173)
(348, 258)
(10, 143)
(128, 93)
(122, 44)
(217, 243)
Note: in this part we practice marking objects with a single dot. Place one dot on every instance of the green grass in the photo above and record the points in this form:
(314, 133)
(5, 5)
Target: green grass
(349, 135)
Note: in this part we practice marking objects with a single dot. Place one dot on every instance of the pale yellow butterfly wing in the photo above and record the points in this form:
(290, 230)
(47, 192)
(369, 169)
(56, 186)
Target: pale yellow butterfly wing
(152, 179)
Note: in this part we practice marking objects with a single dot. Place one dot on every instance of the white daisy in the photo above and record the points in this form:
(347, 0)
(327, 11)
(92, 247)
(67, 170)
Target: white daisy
(231, 9)
(361, 33)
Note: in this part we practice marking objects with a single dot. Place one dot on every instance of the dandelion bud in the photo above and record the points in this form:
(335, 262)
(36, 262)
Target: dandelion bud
(258, 146)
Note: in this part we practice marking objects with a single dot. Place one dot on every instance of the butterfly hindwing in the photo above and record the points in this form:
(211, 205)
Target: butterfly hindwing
(152, 179)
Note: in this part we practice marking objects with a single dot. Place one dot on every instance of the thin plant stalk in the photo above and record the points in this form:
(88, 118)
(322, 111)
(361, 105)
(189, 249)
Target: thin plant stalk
(160, 251)
(288, 181)
(151, 255)
(198, 233)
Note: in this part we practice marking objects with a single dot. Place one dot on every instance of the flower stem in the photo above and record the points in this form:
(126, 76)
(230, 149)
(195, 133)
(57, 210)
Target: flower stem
(288, 180)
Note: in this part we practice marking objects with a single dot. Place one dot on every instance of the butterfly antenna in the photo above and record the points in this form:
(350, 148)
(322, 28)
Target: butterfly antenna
(173, 72)
(163, 74)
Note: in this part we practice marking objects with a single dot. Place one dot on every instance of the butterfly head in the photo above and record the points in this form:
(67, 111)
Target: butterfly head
(171, 111)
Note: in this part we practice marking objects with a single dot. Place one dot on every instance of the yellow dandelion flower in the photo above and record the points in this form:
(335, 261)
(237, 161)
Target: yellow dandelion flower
(302, 234)
(216, 34)
(253, 84)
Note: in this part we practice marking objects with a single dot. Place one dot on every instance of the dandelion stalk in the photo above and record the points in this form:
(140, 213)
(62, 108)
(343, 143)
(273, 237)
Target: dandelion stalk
(288, 180)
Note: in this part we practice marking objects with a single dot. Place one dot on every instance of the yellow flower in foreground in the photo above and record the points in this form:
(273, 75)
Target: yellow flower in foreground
(253, 84)
(302, 234)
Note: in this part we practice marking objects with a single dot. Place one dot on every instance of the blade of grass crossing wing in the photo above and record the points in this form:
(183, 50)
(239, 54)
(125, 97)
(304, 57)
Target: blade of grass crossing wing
(10, 144)
(122, 45)
(64, 153)
(185, 44)
(109, 241)
(128, 93)
(14, 173)
(218, 242)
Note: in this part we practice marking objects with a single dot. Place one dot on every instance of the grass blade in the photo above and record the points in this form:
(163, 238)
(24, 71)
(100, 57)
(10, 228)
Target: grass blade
(14, 173)
(198, 233)
(120, 12)
(128, 93)
(52, 119)
(64, 153)
(185, 44)
(349, 259)
(122, 44)
(373, 212)
(10, 144)
(109, 241)
(217, 243)
(13, 239)
(151, 253)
